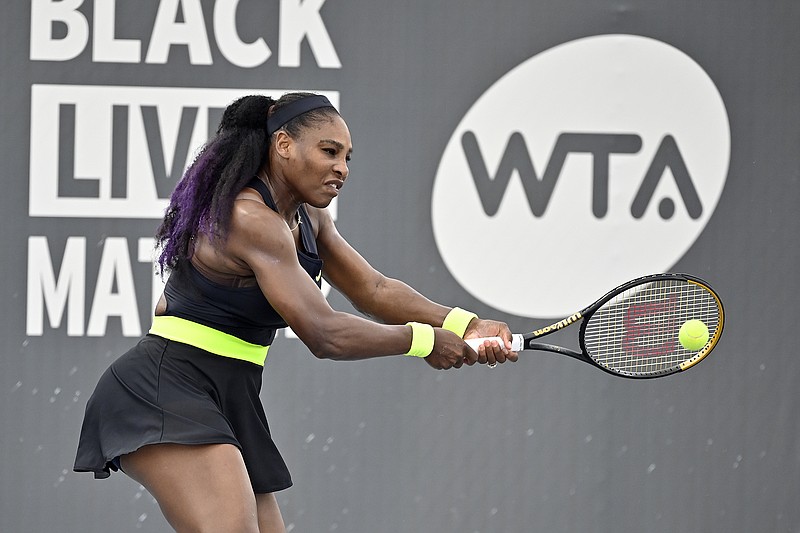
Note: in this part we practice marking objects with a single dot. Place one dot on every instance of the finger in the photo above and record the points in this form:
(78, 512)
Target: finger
(482, 357)
(491, 358)
(510, 355)
(499, 351)
(470, 355)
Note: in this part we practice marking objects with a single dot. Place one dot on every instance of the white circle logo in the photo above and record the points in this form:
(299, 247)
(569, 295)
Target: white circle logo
(591, 163)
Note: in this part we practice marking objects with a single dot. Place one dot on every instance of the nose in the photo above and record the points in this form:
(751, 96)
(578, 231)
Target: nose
(341, 169)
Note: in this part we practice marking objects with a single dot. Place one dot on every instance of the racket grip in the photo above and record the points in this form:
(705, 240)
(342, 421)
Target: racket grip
(516, 342)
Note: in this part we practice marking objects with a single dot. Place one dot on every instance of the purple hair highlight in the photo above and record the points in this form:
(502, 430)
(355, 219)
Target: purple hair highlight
(188, 211)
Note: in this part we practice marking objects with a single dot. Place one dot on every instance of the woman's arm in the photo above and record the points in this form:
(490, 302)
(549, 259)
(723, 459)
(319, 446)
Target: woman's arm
(390, 300)
(260, 241)
(386, 299)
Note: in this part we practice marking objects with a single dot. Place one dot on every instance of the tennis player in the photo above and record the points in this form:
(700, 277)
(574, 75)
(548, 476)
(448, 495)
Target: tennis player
(244, 240)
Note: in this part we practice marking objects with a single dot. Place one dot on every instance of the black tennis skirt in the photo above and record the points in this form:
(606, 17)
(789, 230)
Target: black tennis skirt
(163, 391)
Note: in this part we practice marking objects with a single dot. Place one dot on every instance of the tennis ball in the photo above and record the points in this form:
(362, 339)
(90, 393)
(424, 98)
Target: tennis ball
(693, 335)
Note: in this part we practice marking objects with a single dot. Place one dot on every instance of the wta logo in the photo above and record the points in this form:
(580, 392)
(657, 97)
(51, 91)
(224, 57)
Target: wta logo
(591, 163)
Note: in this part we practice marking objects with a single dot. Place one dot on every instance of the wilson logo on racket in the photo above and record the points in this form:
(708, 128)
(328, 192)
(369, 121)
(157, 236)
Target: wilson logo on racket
(558, 325)
(610, 151)
(649, 327)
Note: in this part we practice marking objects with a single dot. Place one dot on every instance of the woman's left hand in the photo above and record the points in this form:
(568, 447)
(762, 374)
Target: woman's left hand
(491, 352)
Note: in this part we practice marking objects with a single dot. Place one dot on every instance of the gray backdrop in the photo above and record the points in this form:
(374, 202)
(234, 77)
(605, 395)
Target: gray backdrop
(549, 444)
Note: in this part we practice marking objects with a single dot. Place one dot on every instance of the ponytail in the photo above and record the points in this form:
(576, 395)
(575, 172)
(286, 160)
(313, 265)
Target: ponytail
(202, 202)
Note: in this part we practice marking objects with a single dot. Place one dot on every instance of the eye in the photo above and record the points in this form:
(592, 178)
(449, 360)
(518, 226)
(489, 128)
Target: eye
(329, 151)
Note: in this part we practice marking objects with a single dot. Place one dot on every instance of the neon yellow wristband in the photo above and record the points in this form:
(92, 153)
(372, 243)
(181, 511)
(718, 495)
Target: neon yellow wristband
(421, 339)
(457, 321)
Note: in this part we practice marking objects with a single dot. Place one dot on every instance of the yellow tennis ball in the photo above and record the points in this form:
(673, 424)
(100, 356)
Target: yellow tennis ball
(693, 335)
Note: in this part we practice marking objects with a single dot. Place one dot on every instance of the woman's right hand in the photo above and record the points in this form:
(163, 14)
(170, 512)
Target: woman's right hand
(450, 351)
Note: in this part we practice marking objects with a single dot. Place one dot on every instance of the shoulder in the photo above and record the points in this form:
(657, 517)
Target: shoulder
(257, 232)
(321, 219)
(250, 213)
(251, 225)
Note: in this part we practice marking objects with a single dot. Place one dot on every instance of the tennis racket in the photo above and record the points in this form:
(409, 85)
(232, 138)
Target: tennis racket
(633, 330)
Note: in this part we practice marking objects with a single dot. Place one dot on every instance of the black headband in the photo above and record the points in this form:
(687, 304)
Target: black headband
(295, 109)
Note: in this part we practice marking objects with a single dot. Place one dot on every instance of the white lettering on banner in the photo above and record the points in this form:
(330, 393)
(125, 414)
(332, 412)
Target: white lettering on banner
(117, 152)
(591, 163)
(45, 291)
(115, 269)
(51, 296)
(167, 31)
(106, 48)
(232, 47)
(43, 45)
(299, 20)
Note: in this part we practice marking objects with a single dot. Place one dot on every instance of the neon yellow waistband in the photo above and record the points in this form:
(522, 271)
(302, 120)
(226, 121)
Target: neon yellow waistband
(208, 339)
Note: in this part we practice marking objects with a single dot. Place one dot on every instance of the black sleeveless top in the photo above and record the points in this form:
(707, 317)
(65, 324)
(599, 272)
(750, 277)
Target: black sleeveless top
(243, 312)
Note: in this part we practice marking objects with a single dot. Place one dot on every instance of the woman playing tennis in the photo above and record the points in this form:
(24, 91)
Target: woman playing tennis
(244, 241)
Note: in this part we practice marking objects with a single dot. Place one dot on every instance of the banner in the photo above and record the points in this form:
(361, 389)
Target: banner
(517, 159)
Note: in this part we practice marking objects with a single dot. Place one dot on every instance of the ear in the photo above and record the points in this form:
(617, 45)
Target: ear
(283, 144)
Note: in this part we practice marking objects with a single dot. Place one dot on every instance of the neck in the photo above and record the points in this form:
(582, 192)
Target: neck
(286, 206)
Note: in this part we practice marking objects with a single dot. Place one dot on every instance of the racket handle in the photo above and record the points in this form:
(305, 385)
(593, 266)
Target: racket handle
(516, 342)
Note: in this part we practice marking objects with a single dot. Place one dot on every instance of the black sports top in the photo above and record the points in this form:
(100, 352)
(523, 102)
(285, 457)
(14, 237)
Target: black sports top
(243, 312)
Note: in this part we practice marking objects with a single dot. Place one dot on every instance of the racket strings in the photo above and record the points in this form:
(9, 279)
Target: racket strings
(636, 332)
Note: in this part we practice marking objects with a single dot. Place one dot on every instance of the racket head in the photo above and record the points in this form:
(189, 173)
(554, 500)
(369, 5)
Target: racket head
(633, 330)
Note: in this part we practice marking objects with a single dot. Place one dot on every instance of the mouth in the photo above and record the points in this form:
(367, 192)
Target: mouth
(335, 185)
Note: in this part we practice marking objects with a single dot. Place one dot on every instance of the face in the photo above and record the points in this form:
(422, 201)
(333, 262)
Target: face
(315, 164)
